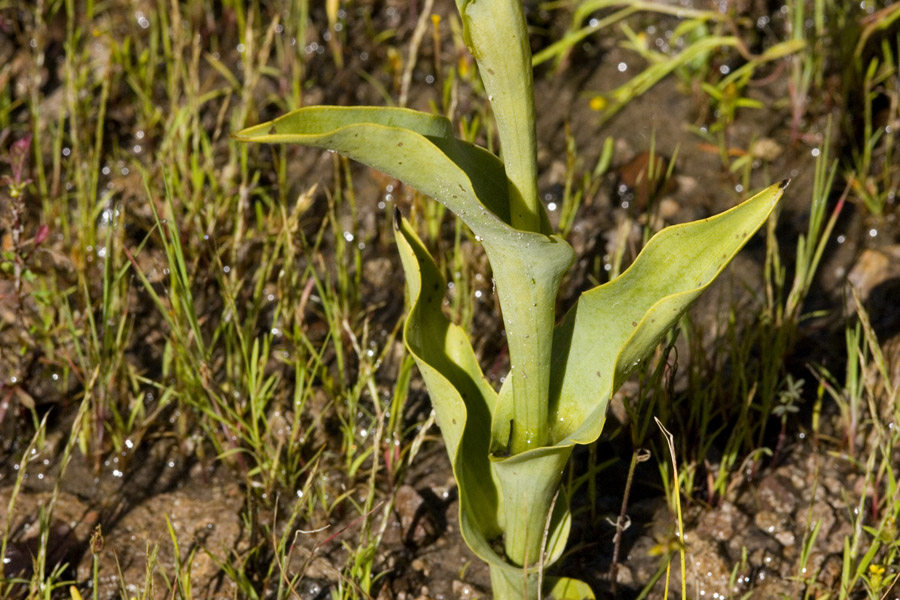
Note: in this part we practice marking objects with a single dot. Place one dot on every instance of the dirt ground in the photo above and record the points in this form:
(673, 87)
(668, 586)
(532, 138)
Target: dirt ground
(753, 541)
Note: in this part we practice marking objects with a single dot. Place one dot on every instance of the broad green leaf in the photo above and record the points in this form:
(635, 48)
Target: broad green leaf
(416, 148)
(462, 398)
(529, 481)
(510, 584)
(420, 150)
(463, 401)
(563, 588)
(528, 271)
(614, 326)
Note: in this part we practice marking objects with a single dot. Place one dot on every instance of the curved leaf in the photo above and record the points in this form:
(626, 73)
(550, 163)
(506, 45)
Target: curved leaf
(414, 147)
(614, 326)
(564, 588)
(419, 149)
(529, 482)
(528, 276)
(463, 402)
(462, 398)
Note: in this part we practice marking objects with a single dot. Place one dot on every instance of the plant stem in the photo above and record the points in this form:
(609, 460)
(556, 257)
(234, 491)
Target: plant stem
(529, 351)
(504, 586)
(527, 290)
(527, 503)
(497, 36)
(639, 455)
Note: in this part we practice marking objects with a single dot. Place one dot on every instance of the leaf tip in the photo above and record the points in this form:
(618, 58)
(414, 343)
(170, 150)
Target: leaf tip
(784, 183)
(397, 218)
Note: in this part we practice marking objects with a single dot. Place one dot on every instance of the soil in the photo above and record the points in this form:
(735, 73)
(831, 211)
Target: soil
(751, 540)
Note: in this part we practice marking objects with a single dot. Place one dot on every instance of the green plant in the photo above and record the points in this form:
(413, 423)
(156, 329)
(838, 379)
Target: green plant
(509, 448)
(700, 33)
(873, 173)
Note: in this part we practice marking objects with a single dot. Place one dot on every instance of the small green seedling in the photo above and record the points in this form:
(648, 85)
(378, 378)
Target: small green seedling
(508, 449)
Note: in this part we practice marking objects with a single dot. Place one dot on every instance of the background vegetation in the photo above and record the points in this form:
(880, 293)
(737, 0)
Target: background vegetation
(214, 327)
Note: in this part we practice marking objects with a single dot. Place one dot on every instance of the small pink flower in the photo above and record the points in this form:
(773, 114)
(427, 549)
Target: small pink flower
(18, 155)
(42, 234)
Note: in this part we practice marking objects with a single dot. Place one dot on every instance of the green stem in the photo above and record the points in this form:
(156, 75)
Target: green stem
(506, 586)
(497, 36)
(529, 339)
(527, 288)
(529, 484)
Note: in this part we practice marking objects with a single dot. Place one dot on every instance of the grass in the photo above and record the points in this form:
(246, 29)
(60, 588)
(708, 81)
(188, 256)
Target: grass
(176, 295)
